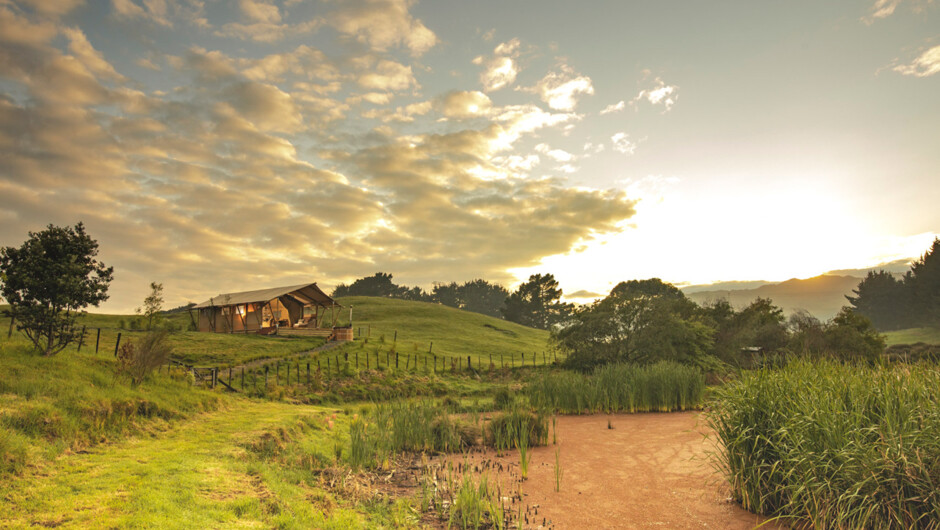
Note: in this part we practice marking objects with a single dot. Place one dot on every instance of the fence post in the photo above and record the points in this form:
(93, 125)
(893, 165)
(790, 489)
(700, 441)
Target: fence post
(431, 346)
(266, 368)
(357, 361)
(117, 343)
(97, 340)
(469, 366)
(288, 374)
(10, 331)
(337, 365)
(396, 360)
(81, 339)
(243, 378)
(308, 373)
(396, 336)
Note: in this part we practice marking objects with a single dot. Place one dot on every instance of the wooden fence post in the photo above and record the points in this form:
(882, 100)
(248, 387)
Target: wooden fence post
(396, 337)
(117, 343)
(243, 378)
(81, 339)
(308, 373)
(288, 374)
(357, 361)
(10, 331)
(396, 360)
(431, 347)
(266, 368)
(469, 366)
(97, 340)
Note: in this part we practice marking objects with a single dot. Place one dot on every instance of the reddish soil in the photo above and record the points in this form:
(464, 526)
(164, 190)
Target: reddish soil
(650, 470)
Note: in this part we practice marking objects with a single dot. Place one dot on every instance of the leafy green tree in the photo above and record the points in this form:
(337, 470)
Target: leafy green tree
(446, 294)
(883, 299)
(481, 296)
(536, 303)
(924, 280)
(639, 321)
(807, 334)
(49, 281)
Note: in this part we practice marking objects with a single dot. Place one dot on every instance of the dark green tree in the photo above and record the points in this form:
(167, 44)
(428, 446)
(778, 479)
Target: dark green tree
(49, 281)
(446, 294)
(883, 299)
(639, 321)
(536, 303)
(924, 280)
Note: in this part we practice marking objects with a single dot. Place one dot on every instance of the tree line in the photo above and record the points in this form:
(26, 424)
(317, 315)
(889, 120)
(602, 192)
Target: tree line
(913, 300)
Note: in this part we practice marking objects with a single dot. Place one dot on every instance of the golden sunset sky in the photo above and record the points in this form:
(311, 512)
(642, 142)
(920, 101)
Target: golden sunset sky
(220, 146)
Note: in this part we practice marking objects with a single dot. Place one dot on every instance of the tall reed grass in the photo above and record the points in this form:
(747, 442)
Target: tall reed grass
(834, 446)
(415, 426)
(662, 387)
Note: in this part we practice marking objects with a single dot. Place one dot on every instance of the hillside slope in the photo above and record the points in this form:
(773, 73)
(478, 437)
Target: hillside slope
(822, 296)
(454, 332)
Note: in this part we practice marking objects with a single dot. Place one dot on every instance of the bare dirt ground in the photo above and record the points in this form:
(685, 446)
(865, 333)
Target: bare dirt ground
(650, 470)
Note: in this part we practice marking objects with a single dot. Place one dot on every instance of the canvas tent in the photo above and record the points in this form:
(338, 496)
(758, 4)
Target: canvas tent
(302, 306)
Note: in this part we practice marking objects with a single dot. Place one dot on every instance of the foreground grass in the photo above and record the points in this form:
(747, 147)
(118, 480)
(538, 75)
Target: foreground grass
(834, 446)
(456, 334)
(913, 336)
(71, 401)
(250, 466)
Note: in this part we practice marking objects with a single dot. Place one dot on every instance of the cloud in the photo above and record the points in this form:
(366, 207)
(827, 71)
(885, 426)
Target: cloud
(659, 94)
(558, 155)
(382, 24)
(885, 8)
(925, 65)
(82, 50)
(562, 89)
(614, 107)
(388, 75)
(260, 11)
(622, 144)
(583, 294)
(499, 70)
(465, 104)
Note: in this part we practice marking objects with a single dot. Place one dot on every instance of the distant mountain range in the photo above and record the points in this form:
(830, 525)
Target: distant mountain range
(822, 295)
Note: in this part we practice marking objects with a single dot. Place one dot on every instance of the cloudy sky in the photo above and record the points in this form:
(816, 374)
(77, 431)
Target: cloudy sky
(219, 146)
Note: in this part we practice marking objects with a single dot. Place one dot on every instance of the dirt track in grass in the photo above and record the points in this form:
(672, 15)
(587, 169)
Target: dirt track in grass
(650, 470)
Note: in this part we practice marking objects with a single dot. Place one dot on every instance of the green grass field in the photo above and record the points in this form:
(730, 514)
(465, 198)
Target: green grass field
(454, 333)
(913, 335)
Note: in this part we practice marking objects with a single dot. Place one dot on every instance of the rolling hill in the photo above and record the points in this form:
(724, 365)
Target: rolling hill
(822, 296)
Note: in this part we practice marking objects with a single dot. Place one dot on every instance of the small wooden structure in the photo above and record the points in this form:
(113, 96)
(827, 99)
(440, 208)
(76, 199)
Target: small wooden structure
(301, 309)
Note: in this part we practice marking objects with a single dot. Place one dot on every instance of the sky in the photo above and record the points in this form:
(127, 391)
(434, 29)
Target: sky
(218, 146)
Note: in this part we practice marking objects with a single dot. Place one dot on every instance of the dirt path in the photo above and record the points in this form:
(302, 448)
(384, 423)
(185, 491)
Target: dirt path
(650, 470)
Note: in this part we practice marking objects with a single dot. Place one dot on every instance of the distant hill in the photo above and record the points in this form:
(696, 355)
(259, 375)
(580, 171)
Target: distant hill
(822, 296)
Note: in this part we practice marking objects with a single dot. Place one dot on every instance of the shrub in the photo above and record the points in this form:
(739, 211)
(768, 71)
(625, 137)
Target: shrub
(834, 446)
(138, 361)
(504, 430)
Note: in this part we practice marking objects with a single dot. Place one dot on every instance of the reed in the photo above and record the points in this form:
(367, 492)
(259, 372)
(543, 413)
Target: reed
(660, 387)
(833, 446)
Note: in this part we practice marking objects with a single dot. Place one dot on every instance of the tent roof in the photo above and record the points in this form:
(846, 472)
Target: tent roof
(307, 293)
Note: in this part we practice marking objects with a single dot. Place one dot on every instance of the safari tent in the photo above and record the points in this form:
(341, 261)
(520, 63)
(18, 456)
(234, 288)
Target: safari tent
(302, 308)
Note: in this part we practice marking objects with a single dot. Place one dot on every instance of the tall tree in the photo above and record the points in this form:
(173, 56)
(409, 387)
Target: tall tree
(883, 299)
(924, 280)
(536, 303)
(49, 281)
(481, 296)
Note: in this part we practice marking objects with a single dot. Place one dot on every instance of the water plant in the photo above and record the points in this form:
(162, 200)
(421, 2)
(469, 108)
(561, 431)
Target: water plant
(833, 446)
(660, 387)
(559, 472)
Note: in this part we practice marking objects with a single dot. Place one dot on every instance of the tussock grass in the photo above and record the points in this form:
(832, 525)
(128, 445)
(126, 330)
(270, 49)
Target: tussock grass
(834, 446)
(660, 387)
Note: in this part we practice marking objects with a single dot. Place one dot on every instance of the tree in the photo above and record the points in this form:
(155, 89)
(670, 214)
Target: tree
(479, 296)
(851, 336)
(536, 303)
(883, 299)
(48, 282)
(153, 304)
(924, 280)
(379, 284)
(639, 321)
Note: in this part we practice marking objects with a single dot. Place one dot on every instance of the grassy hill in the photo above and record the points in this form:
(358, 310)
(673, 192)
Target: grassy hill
(822, 296)
(455, 333)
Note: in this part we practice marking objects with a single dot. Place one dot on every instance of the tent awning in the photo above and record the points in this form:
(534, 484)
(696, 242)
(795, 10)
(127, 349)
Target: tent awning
(307, 294)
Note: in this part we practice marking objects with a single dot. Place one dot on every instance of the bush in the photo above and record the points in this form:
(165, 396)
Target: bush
(138, 361)
(832, 445)
(503, 430)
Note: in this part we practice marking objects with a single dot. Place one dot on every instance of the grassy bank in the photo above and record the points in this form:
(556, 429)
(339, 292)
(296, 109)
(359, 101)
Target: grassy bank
(834, 446)
(913, 336)
(661, 387)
